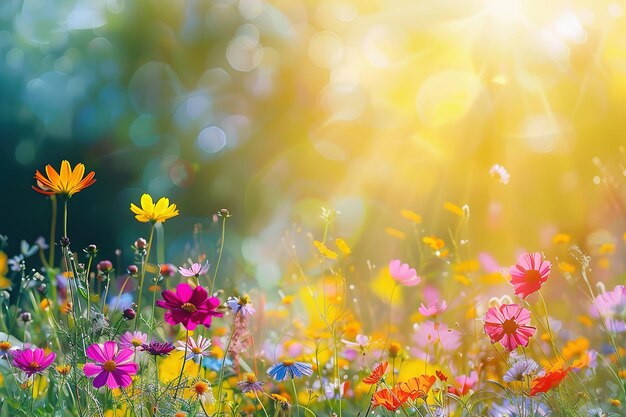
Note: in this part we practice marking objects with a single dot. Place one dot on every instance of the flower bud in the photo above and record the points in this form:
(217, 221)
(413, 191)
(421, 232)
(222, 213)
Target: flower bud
(129, 314)
(26, 317)
(223, 213)
(132, 269)
(91, 249)
(104, 266)
(141, 243)
(42, 289)
(65, 241)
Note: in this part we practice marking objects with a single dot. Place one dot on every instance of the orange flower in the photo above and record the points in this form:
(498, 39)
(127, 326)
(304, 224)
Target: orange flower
(550, 380)
(376, 374)
(417, 387)
(67, 183)
(390, 399)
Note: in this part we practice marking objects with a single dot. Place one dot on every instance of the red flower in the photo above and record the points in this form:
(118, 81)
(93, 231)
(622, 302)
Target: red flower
(390, 399)
(550, 380)
(376, 374)
(530, 272)
(417, 387)
(188, 306)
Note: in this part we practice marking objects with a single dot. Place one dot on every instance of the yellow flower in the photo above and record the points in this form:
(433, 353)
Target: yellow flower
(411, 215)
(4, 268)
(453, 208)
(324, 251)
(395, 232)
(343, 246)
(561, 238)
(155, 213)
(67, 183)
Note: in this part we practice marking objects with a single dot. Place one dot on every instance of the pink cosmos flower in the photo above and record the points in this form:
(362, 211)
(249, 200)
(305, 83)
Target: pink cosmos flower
(508, 324)
(32, 361)
(403, 274)
(195, 270)
(611, 306)
(113, 366)
(433, 309)
(133, 340)
(464, 383)
(430, 333)
(188, 306)
(530, 272)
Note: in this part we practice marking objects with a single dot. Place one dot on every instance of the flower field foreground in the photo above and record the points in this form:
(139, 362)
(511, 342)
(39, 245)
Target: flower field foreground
(428, 337)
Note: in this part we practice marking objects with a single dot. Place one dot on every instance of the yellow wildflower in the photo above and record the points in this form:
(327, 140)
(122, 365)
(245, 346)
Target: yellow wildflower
(411, 215)
(155, 213)
(4, 268)
(561, 238)
(343, 246)
(324, 251)
(395, 232)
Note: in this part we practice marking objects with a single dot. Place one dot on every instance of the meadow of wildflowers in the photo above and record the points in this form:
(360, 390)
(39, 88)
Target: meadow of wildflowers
(79, 337)
(330, 208)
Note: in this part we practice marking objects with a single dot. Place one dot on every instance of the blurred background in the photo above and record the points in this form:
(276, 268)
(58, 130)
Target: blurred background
(275, 109)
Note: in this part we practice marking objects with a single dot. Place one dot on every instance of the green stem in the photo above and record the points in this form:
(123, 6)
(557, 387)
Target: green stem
(219, 257)
(182, 368)
(65, 219)
(144, 263)
(53, 230)
(295, 395)
(261, 402)
(87, 287)
(221, 380)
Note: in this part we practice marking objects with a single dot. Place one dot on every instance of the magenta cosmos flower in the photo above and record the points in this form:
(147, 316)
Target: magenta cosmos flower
(434, 308)
(508, 324)
(195, 270)
(403, 274)
(113, 366)
(188, 306)
(32, 361)
(530, 272)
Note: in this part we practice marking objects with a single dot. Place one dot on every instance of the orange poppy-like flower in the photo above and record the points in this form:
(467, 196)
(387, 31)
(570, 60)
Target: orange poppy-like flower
(417, 387)
(68, 182)
(550, 380)
(376, 374)
(391, 399)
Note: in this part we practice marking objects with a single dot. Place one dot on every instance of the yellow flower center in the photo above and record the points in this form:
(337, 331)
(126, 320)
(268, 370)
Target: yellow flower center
(5, 346)
(250, 378)
(196, 350)
(136, 342)
(109, 366)
(289, 362)
(33, 365)
(63, 369)
(188, 307)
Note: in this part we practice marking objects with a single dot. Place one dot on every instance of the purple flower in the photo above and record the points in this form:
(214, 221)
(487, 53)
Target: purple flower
(195, 270)
(249, 383)
(521, 367)
(611, 306)
(32, 361)
(241, 304)
(133, 340)
(157, 348)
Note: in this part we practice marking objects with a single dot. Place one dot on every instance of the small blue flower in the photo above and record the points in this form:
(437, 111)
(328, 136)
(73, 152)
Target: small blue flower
(289, 368)
(214, 364)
